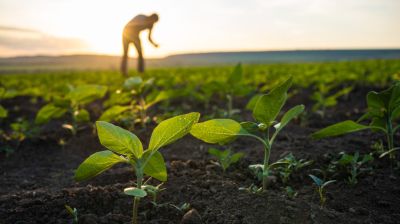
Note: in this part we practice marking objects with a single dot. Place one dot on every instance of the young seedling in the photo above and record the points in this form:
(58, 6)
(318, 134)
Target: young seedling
(289, 164)
(125, 147)
(225, 158)
(265, 112)
(290, 192)
(383, 111)
(252, 189)
(131, 103)
(73, 212)
(321, 187)
(355, 165)
(153, 191)
(234, 86)
(323, 100)
(72, 103)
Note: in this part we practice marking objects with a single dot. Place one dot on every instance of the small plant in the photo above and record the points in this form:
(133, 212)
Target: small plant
(153, 191)
(125, 147)
(378, 147)
(290, 192)
(383, 111)
(226, 157)
(322, 98)
(73, 104)
(181, 208)
(355, 165)
(321, 187)
(265, 112)
(234, 86)
(73, 212)
(131, 103)
(252, 189)
(289, 164)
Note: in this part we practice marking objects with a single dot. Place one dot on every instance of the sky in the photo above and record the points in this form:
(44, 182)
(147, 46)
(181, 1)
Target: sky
(56, 27)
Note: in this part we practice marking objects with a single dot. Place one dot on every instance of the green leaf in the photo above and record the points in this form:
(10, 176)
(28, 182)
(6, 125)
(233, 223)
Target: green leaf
(133, 83)
(96, 164)
(236, 157)
(86, 93)
(49, 112)
(328, 183)
(289, 115)
(81, 116)
(316, 180)
(112, 113)
(250, 127)
(394, 102)
(269, 105)
(215, 152)
(163, 95)
(172, 129)
(253, 101)
(3, 112)
(155, 166)
(219, 131)
(135, 192)
(396, 114)
(236, 76)
(339, 129)
(345, 159)
(119, 140)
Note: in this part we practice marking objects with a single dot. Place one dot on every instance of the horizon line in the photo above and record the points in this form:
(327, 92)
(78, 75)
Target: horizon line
(201, 52)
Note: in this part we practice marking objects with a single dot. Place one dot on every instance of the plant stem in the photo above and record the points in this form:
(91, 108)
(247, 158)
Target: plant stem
(230, 104)
(142, 112)
(267, 151)
(321, 196)
(390, 135)
(136, 200)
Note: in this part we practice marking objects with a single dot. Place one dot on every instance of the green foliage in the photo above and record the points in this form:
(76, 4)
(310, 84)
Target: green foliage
(19, 130)
(119, 140)
(72, 103)
(321, 187)
(269, 105)
(125, 147)
(221, 131)
(225, 158)
(265, 111)
(290, 192)
(289, 164)
(73, 212)
(3, 112)
(355, 165)
(383, 111)
(153, 191)
(96, 164)
(324, 98)
(131, 102)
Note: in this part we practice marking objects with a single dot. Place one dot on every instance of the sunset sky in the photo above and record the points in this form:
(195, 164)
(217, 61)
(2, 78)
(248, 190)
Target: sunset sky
(94, 26)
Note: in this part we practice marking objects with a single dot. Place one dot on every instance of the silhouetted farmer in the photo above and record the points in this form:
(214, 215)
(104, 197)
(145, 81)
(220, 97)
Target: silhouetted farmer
(131, 35)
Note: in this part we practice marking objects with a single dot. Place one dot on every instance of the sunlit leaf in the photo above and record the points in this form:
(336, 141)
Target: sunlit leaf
(172, 129)
(119, 140)
(96, 164)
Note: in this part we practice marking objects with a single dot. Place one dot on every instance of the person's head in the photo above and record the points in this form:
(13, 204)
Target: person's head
(154, 17)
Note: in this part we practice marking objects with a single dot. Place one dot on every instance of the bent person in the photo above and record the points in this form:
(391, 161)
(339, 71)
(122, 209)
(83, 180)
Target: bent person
(131, 34)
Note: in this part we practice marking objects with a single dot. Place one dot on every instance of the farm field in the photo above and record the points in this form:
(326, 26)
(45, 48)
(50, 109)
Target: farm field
(50, 125)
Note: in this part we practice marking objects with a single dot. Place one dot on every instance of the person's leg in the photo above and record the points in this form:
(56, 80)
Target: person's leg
(124, 63)
(138, 46)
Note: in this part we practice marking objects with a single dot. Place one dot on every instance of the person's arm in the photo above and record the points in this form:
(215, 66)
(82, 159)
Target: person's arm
(150, 39)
